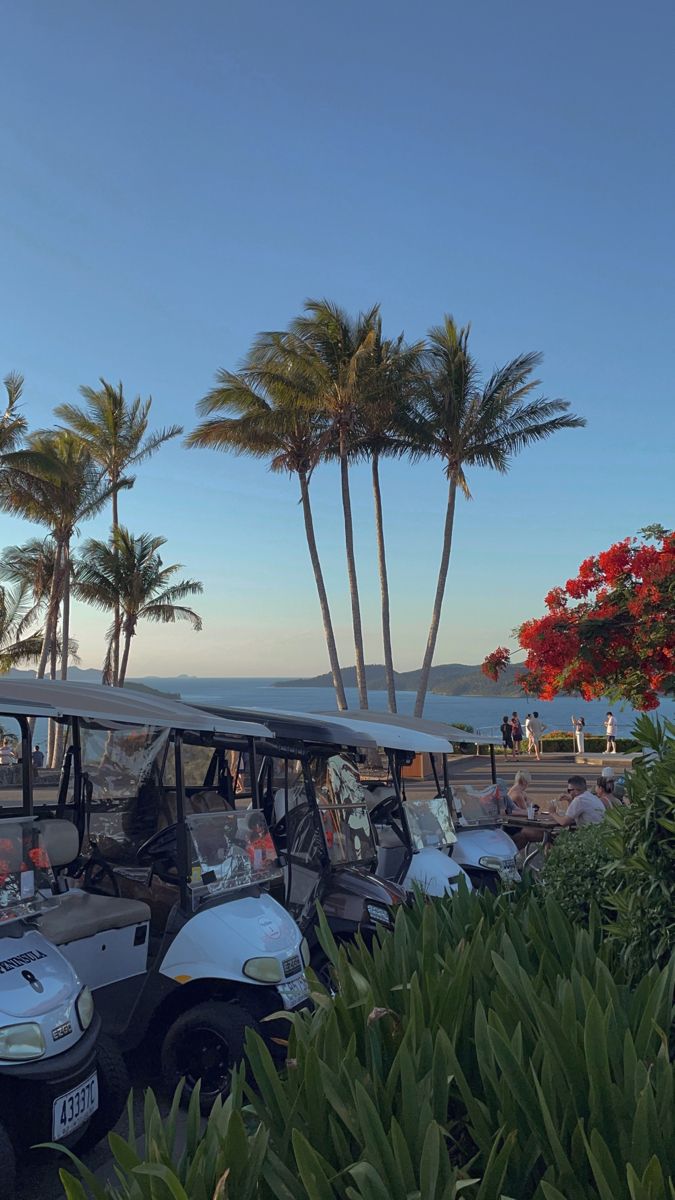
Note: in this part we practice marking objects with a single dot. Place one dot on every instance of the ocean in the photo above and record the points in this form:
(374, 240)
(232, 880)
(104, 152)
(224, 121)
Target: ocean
(484, 713)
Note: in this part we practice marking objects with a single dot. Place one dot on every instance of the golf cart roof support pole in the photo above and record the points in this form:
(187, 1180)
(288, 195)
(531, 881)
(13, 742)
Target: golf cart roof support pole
(253, 765)
(446, 776)
(26, 766)
(493, 764)
(432, 760)
(181, 830)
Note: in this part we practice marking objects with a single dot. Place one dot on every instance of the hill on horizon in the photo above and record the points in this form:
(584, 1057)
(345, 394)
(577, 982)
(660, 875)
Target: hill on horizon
(449, 679)
(93, 675)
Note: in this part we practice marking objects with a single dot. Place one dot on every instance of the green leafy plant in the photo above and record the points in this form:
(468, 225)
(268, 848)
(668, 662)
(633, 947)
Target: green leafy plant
(574, 872)
(640, 878)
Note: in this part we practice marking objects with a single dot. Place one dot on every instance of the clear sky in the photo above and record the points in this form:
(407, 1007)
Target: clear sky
(177, 177)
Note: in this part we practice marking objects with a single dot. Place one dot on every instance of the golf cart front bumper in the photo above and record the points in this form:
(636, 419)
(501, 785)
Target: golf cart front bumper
(28, 1090)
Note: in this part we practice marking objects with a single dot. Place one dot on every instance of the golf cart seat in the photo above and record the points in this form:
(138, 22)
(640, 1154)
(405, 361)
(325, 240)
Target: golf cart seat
(81, 914)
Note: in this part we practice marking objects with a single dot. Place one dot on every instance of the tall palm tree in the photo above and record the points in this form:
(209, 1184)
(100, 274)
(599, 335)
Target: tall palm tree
(31, 568)
(385, 426)
(266, 416)
(466, 423)
(330, 354)
(129, 570)
(115, 433)
(13, 424)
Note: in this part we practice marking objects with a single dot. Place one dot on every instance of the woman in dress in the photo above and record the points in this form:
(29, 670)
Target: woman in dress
(579, 725)
(516, 733)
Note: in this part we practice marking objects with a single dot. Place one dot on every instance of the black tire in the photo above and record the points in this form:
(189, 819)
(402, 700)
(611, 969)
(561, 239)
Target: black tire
(205, 1043)
(323, 969)
(7, 1165)
(114, 1086)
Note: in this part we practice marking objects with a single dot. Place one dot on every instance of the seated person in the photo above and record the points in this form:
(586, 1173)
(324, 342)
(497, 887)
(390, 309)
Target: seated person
(604, 790)
(518, 793)
(584, 808)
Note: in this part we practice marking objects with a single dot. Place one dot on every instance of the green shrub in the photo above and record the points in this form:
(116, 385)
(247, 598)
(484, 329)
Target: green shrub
(574, 872)
(485, 1048)
(640, 880)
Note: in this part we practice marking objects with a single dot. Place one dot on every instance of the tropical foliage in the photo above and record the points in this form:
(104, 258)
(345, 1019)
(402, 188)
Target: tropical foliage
(639, 881)
(485, 1048)
(609, 631)
(128, 573)
(574, 872)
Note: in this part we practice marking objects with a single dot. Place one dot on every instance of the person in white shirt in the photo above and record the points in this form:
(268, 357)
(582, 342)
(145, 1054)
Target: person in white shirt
(529, 734)
(584, 808)
(7, 755)
(579, 726)
(537, 726)
(610, 729)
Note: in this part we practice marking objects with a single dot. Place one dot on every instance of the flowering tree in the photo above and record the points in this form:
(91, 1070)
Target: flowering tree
(610, 631)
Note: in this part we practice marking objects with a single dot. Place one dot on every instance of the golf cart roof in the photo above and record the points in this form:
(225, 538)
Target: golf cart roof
(390, 735)
(420, 724)
(60, 699)
(301, 727)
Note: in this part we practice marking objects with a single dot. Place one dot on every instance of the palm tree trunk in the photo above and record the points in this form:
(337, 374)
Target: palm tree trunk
(117, 631)
(52, 616)
(125, 659)
(65, 619)
(423, 685)
(353, 582)
(384, 586)
(321, 589)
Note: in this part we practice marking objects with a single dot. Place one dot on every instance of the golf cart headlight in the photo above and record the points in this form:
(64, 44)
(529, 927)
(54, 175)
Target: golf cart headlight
(378, 913)
(491, 862)
(85, 1008)
(304, 950)
(264, 970)
(21, 1042)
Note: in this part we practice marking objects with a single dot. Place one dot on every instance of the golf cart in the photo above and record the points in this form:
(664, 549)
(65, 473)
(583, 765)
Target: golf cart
(60, 1080)
(481, 847)
(165, 913)
(327, 850)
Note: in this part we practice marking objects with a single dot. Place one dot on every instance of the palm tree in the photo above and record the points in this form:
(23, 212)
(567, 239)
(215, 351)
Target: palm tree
(129, 570)
(20, 642)
(115, 432)
(330, 355)
(385, 423)
(54, 482)
(466, 423)
(12, 424)
(265, 416)
(31, 568)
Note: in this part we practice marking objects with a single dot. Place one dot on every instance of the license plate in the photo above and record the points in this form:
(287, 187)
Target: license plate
(74, 1108)
(294, 993)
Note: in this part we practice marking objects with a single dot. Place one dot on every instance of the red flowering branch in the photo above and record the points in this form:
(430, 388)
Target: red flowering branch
(609, 631)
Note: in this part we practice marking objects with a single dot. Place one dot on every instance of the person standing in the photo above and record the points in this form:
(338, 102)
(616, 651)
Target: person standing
(579, 725)
(38, 759)
(507, 736)
(537, 727)
(516, 733)
(610, 729)
(528, 733)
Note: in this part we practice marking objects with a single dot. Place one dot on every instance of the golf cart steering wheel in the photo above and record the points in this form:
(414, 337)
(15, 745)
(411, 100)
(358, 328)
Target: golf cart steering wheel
(383, 812)
(95, 871)
(160, 852)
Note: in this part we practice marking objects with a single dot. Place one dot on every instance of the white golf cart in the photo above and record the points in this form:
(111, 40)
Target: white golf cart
(60, 1081)
(166, 915)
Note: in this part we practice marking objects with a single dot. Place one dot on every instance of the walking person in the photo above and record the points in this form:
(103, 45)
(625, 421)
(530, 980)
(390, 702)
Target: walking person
(507, 737)
(528, 733)
(610, 729)
(578, 724)
(516, 733)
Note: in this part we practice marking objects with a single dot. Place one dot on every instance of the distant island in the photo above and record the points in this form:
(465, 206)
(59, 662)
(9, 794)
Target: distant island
(451, 679)
(92, 675)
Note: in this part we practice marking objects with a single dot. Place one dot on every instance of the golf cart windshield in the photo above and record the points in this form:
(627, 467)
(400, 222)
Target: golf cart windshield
(25, 870)
(348, 834)
(429, 823)
(230, 851)
(117, 761)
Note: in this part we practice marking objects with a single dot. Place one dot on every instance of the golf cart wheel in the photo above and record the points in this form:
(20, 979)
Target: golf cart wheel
(205, 1043)
(7, 1164)
(114, 1086)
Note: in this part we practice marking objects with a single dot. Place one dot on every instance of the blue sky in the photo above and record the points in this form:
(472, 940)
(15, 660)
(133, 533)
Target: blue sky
(178, 177)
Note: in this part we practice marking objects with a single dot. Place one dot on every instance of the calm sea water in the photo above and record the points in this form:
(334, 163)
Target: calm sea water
(483, 712)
